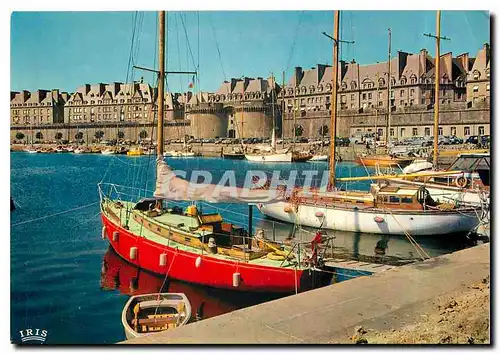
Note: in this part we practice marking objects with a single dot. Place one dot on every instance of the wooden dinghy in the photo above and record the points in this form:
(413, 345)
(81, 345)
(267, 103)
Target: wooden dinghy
(150, 313)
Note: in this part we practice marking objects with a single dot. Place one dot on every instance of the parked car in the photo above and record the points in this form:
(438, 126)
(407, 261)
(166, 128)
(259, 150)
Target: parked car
(473, 139)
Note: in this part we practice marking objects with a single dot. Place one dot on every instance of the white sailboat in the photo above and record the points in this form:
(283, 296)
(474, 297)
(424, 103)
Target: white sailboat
(385, 209)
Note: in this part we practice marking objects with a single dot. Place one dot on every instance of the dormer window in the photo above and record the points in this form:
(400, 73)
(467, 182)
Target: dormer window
(353, 85)
(403, 80)
(476, 75)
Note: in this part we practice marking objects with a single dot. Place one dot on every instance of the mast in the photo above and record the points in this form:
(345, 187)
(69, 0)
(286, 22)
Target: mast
(376, 114)
(388, 123)
(273, 138)
(436, 90)
(161, 83)
(333, 122)
(283, 107)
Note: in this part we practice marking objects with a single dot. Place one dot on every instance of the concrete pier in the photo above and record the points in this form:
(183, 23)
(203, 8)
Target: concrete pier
(386, 299)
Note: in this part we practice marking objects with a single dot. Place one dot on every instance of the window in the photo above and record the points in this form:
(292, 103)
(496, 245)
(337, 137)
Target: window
(393, 199)
(453, 131)
(487, 87)
(476, 75)
(402, 102)
(440, 131)
(369, 95)
(480, 130)
(401, 93)
(414, 132)
(353, 97)
(466, 130)
(422, 101)
(364, 96)
(343, 99)
(380, 95)
(411, 102)
(403, 130)
(475, 88)
(392, 94)
(412, 92)
(406, 200)
(380, 103)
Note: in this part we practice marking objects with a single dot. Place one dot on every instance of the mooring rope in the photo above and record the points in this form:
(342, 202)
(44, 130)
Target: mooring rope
(55, 214)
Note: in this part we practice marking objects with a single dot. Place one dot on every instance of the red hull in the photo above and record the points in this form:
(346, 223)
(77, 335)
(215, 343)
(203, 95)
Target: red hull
(211, 272)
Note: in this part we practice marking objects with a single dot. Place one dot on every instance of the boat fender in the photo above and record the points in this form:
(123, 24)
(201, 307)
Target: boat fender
(197, 263)
(103, 234)
(319, 214)
(236, 279)
(378, 219)
(133, 252)
(461, 182)
(163, 260)
(212, 246)
(115, 236)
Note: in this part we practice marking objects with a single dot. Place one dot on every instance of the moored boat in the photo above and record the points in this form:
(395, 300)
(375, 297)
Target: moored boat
(149, 313)
(383, 161)
(135, 152)
(108, 151)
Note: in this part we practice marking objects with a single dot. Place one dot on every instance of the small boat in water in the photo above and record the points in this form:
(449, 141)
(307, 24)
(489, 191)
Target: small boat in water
(318, 158)
(176, 153)
(383, 161)
(234, 154)
(150, 313)
(31, 150)
(108, 152)
(135, 152)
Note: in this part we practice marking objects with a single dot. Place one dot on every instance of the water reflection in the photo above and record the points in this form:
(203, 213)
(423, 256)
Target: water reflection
(117, 274)
(357, 245)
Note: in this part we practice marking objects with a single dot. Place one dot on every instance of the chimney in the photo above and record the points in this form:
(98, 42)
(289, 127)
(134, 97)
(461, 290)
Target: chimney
(402, 61)
(486, 48)
(299, 74)
(233, 83)
(321, 71)
(423, 61)
(463, 59)
(246, 81)
(26, 95)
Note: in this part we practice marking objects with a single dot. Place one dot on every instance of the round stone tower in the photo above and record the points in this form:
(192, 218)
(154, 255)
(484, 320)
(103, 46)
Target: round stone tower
(208, 120)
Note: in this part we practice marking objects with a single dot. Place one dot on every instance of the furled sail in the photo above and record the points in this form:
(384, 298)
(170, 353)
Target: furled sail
(171, 187)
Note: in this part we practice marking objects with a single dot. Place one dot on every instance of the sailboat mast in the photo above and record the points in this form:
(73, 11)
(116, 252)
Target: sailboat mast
(333, 122)
(436, 90)
(161, 83)
(388, 123)
(283, 107)
(273, 139)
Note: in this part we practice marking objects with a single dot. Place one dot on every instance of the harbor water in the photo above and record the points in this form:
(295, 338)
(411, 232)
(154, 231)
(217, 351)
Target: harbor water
(66, 280)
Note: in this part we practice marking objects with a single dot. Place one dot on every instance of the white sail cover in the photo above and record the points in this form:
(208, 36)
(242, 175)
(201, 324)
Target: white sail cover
(171, 187)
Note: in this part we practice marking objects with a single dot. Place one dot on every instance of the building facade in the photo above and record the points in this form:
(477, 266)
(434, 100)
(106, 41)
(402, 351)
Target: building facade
(368, 97)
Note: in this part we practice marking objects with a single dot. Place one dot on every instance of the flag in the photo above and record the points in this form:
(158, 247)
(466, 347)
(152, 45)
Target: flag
(191, 84)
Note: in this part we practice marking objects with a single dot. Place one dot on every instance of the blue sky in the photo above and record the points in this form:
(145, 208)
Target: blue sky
(67, 49)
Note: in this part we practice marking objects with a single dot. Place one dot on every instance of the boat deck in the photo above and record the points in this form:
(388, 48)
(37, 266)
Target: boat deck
(137, 229)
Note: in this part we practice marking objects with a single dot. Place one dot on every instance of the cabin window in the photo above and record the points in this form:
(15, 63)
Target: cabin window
(406, 200)
(393, 199)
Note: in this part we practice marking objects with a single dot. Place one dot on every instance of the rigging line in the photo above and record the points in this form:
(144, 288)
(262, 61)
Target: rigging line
(294, 40)
(55, 214)
(178, 50)
(188, 44)
(218, 49)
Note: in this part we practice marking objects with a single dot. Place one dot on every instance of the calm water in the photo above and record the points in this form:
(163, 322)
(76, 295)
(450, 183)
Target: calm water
(65, 280)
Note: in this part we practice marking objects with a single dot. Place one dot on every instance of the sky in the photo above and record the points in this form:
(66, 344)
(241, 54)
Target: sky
(65, 50)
